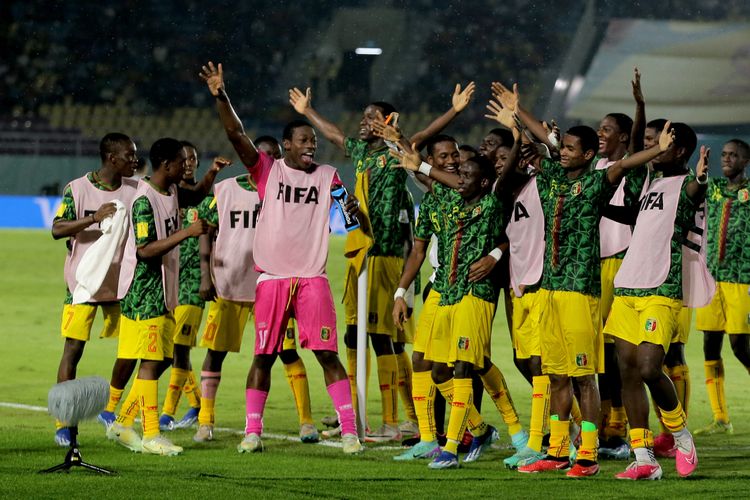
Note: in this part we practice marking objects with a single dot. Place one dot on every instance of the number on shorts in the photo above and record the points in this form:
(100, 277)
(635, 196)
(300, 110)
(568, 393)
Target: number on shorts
(210, 331)
(70, 319)
(152, 341)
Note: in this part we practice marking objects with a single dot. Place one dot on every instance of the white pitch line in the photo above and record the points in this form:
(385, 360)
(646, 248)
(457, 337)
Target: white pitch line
(280, 437)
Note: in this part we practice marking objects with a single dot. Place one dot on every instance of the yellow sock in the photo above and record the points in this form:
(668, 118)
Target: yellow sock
(641, 438)
(114, 397)
(423, 394)
(715, 389)
(206, 416)
(559, 439)
(463, 399)
(405, 381)
(494, 384)
(130, 408)
(539, 411)
(575, 412)
(589, 442)
(351, 364)
(659, 419)
(680, 376)
(58, 425)
(176, 380)
(674, 420)
(296, 375)
(388, 380)
(192, 390)
(149, 397)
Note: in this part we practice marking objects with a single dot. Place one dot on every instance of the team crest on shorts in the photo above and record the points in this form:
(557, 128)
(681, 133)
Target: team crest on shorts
(576, 188)
(743, 195)
(325, 334)
(186, 329)
(582, 359)
(463, 343)
(650, 325)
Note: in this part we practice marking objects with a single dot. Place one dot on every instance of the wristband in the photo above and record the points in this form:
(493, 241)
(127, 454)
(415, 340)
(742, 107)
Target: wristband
(496, 253)
(93, 218)
(425, 168)
(702, 182)
(399, 293)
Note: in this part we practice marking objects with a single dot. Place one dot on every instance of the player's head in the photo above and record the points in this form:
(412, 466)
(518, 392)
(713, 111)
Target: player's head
(651, 134)
(119, 151)
(475, 177)
(735, 156)
(369, 115)
(681, 149)
(494, 139)
(269, 145)
(169, 158)
(579, 146)
(614, 133)
(300, 143)
(502, 157)
(193, 162)
(442, 152)
(465, 152)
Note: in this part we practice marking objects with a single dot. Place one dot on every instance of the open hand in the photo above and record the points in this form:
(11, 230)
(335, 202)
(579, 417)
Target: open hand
(701, 171)
(666, 138)
(508, 99)
(462, 98)
(502, 115)
(636, 84)
(409, 160)
(388, 131)
(214, 78)
(299, 101)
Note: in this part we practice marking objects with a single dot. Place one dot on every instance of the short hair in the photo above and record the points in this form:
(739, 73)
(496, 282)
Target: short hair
(188, 144)
(469, 149)
(111, 142)
(164, 149)
(290, 127)
(742, 145)
(505, 135)
(385, 107)
(435, 140)
(587, 135)
(684, 137)
(657, 124)
(623, 121)
(267, 138)
(486, 167)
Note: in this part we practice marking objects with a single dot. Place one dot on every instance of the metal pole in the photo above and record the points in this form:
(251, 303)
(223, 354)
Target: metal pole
(362, 341)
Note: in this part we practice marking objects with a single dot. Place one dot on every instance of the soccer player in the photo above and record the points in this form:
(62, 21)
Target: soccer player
(151, 291)
(383, 194)
(188, 316)
(649, 296)
(86, 202)
(291, 250)
(728, 238)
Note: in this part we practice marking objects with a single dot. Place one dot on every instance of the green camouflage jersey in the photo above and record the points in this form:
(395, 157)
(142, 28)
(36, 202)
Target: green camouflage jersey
(572, 209)
(145, 298)
(427, 225)
(728, 228)
(388, 203)
(672, 286)
(466, 234)
(190, 264)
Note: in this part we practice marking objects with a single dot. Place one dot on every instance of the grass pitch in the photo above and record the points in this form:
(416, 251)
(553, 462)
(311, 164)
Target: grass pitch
(32, 293)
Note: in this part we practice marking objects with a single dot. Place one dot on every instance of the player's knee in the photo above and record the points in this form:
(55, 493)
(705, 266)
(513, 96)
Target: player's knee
(329, 360)
(741, 348)
(398, 347)
(73, 348)
(382, 344)
(288, 356)
(264, 362)
(214, 360)
(441, 373)
(350, 337)
(650, 372)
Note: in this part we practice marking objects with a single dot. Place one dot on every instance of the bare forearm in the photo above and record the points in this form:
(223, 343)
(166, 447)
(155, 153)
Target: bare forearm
(534, 126)
(433, 128)
(413, 263)
(329, 129)
(65, 228)
(639, 127)
(443, 177)
(162, 247)
(235, 131)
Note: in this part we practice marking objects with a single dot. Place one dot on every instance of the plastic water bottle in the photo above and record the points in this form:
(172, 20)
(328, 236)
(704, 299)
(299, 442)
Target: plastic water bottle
(340, 195)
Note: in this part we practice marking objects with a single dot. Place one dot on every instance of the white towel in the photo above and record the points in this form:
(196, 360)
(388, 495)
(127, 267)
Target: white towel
(98, 258)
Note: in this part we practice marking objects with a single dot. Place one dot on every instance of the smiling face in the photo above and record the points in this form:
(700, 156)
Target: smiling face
(610, 136)
(175, 168)
(124, 159)
(192, 163)
(489, 146)
(300, 149)
(371, 114)
(444, 156)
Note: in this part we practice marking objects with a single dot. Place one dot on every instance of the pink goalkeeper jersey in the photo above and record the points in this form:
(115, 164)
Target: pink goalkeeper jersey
(525, 232)
(232, 264)
(291, 236)
(87, 199)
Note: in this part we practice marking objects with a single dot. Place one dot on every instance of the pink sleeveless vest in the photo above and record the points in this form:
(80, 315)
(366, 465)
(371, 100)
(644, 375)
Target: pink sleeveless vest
(698, 286)
(526, 235)
(232, 264)
(293, 228)
(167, 221)
(614, 237)
(87, 199)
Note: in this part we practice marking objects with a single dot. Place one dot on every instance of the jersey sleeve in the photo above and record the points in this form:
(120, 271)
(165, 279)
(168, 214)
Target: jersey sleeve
(208, 210)
(349, 144)
(144, 224)
(67, 209)
(424, 228)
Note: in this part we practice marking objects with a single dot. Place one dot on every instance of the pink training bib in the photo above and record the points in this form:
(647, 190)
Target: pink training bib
(525, 232)
(698, 286)
(613, 236)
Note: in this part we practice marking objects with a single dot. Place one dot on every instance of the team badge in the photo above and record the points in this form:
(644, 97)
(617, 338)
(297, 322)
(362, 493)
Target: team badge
(186, 329)
(290, 334)
(650, 325)
(325, 334)
(463, 343)
(582, 359)
(576, 188)
(477, 211)
(382, 160)
(191, 216)
(743, 195)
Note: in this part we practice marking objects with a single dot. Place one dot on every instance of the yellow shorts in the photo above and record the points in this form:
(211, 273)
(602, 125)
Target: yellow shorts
(290, 343)
(527, 311)
(466, 329)
(78, 318)
(383, 275)
(651, 319)
(225, 325)
(729, 310)
(684, 322)
(187, 321)
(610, 266)
(426, 321)
(571, 336)
(151, 339)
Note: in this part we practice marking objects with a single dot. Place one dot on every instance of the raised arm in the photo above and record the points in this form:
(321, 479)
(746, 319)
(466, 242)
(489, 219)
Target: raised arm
(618, 169)
(410, 160)
(204, 186)
(513, 100)
(639, 121)
(214, 78)
(301, 103)
(461, 98)
(696, 189)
